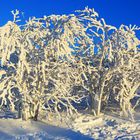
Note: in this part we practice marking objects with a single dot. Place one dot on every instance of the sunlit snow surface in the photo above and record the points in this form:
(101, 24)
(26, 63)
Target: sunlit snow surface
(85, 127)
(16, 129)
(109, 127)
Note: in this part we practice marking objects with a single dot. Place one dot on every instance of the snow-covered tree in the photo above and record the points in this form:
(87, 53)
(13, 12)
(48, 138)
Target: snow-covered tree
(112, 60)
(51, 62)
(43, 73)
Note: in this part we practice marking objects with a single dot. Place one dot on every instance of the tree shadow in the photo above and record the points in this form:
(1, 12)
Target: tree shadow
(63, 133)
(7, 115)
(131, 136)
(5, 136)
(30, 130)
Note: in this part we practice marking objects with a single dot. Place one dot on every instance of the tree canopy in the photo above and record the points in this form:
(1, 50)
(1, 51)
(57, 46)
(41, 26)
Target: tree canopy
(50, 63)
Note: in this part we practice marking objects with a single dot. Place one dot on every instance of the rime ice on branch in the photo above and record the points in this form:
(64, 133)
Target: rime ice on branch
(56, 61)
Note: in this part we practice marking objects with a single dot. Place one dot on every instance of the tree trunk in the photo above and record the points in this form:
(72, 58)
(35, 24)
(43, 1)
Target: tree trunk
(36, 113)
(97, 104)
(20, 110)
(25, 112)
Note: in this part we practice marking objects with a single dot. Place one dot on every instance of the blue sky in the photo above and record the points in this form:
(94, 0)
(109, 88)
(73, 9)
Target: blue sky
(115, 12)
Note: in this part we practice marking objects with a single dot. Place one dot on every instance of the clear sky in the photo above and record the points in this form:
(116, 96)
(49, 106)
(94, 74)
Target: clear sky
(115, 12)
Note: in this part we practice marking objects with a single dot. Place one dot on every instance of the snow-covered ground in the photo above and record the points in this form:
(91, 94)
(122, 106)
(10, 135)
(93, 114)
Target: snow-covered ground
(108, 128)
(11, 129)
(84, 127)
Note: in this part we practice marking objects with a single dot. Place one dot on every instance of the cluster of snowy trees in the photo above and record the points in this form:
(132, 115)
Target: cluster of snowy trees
(51, 63)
